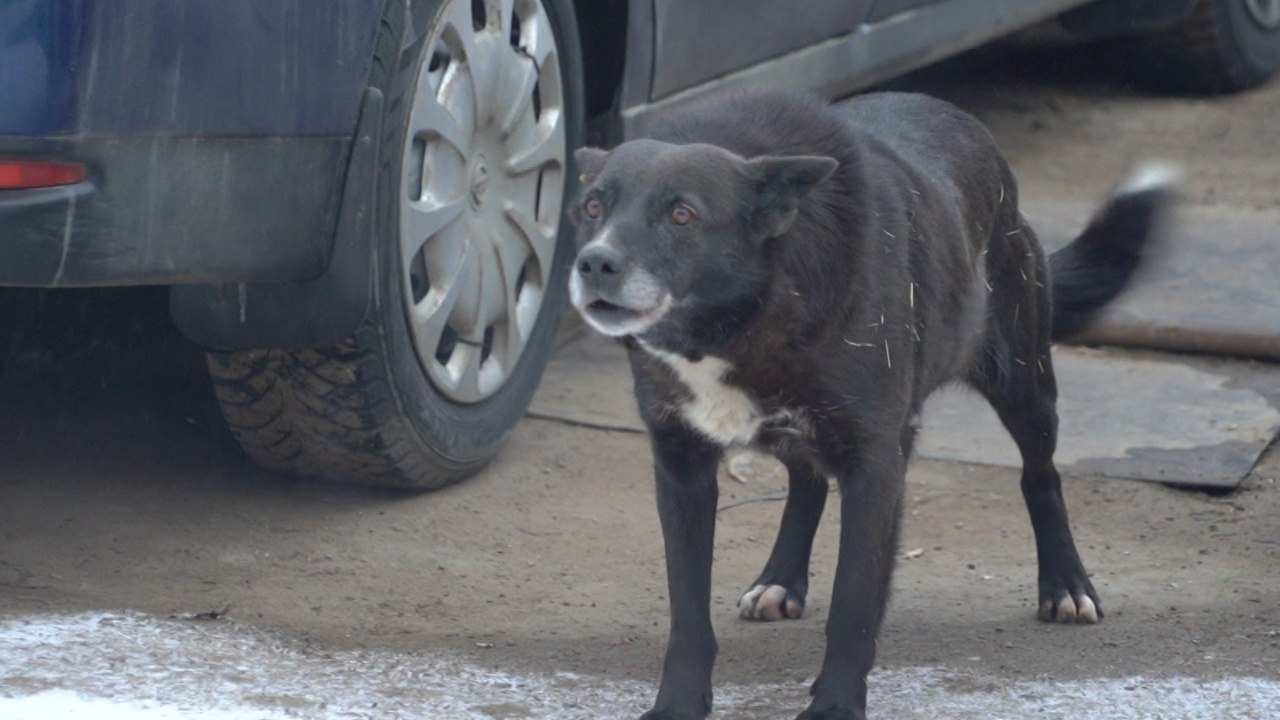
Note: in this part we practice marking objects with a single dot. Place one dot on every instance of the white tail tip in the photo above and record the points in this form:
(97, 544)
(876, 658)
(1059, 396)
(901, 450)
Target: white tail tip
(1151, 176)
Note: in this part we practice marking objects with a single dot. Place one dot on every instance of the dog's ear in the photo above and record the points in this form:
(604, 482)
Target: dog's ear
(589, 161)
(780, 183)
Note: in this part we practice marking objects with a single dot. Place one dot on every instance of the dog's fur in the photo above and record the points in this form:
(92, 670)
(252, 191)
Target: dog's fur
(799, 277)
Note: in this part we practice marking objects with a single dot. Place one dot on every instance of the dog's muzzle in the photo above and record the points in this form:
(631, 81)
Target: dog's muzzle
(613, 297)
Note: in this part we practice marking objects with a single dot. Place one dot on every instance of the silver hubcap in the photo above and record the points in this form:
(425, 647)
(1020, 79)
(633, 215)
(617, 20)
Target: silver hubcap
(1265, 12)
(483, 190)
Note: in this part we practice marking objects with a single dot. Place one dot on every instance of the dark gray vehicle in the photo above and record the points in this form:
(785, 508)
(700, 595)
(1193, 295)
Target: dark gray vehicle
(357, 205)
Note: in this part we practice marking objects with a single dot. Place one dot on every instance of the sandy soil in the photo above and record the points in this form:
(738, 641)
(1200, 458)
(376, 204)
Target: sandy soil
(121, 491)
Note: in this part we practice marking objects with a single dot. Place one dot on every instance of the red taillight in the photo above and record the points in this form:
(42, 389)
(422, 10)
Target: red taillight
(24, 174)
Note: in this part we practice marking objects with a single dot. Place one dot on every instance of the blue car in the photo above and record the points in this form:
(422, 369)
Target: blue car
(356, 203)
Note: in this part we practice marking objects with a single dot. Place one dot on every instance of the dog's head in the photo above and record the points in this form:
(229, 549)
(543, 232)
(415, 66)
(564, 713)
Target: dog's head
(665, 229)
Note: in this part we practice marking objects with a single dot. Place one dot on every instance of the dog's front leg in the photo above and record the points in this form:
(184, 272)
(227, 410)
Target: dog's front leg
(685, 465)
(871, 491)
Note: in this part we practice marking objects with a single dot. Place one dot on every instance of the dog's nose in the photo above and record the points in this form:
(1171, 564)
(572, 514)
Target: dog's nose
(600, 262)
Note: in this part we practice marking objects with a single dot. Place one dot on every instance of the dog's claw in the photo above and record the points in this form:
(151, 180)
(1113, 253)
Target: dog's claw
(1072, 609)
(768, 603)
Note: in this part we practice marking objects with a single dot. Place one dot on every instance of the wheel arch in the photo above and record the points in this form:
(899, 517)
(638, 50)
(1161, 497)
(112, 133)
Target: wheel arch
(325, 310)
(604, 33)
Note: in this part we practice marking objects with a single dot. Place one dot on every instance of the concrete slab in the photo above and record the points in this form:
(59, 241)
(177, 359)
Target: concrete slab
(1171, 419)
(1144, 416)
(1215, 287)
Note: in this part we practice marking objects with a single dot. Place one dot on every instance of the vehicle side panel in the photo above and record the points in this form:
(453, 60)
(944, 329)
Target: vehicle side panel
(184, 67)
(698, 40)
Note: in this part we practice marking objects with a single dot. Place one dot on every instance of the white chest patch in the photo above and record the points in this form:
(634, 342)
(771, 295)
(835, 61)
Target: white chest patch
(720, 411)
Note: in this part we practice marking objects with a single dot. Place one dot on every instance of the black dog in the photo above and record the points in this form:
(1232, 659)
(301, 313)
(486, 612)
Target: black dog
(799, 277)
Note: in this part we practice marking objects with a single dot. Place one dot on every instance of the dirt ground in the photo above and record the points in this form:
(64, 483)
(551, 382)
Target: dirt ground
(121, 491)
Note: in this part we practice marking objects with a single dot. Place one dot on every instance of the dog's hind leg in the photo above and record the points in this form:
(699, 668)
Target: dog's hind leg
(1014, 371)
(781, 589)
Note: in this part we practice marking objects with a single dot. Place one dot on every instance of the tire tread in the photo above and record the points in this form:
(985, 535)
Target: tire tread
(342, 427)
(1201, 54)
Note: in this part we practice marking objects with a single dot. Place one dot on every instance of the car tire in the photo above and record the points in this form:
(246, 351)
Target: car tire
(1219, 46)
(464, 311)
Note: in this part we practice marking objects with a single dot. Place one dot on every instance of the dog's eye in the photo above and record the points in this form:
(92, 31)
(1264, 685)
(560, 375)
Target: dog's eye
(682, 214)
(593, 208)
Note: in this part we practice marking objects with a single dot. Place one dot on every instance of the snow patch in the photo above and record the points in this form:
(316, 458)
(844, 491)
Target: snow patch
(135, 667)
(59, 704)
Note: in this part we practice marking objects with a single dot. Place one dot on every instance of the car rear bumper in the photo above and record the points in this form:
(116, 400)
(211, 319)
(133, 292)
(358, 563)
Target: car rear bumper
(161, 210)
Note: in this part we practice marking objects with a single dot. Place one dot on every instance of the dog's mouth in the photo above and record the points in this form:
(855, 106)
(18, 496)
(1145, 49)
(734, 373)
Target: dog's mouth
(605, 307)
(616, 320)
(611, 313)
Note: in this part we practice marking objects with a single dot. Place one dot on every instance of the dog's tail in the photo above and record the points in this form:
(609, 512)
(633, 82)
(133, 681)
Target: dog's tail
(1092, 270)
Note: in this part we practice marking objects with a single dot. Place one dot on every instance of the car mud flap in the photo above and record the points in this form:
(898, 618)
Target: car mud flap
(312, 313)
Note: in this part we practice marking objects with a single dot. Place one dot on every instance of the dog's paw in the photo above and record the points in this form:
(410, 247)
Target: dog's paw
(770, 602)
(1070, 607)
